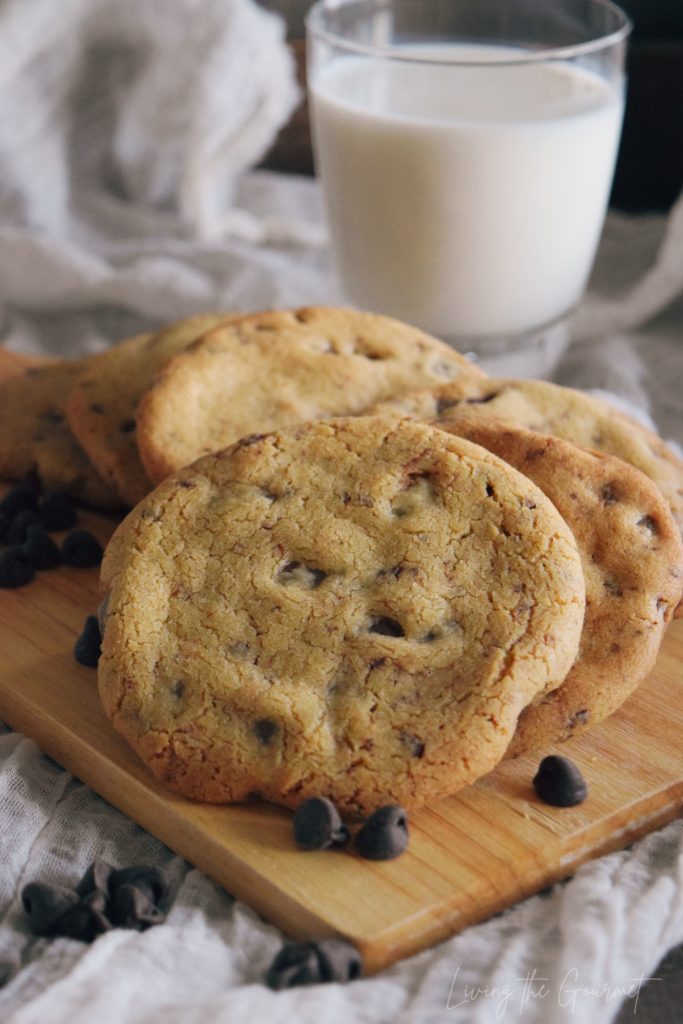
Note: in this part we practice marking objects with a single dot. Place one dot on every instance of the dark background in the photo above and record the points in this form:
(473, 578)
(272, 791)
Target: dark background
(649, 171)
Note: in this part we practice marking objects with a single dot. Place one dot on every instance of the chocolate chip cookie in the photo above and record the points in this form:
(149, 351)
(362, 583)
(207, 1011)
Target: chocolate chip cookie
(355, 608)
(35, 438)
(632, 558)
(566, 413)
(270, 370)
(102, 405)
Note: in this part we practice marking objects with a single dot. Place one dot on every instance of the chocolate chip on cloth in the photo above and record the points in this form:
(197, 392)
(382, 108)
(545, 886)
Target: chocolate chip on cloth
(130, 907)
(87, 648)
(46, 905)
(41, 549)
(318, 825)
(384, 836)
(87, 919)
(96, 878)
(16, 568)
(81, 550)
(342, 579)
(559, 782)
(314, 962)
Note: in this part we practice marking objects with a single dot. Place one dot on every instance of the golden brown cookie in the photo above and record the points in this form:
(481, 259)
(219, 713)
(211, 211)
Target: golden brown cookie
(102, 405)
(632, 558)
(273, 369)
(357, 608)
(566, 413)
(35, 437)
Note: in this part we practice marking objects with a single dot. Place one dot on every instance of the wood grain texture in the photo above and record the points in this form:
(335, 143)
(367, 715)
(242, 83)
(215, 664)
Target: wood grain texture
(470, 856)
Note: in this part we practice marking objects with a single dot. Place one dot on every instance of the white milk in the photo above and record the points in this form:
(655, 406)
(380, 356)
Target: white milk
(466, 200)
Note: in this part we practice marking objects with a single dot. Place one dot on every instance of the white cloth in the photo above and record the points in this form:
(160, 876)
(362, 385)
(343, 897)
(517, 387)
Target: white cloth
(152, 230)
(163, 104)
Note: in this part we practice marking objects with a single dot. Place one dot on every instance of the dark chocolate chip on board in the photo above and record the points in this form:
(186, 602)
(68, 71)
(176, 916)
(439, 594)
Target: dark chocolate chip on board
(87, 648)
(57, 511)
(384, 835)
(559, 782)
(81, 550)
(16, 568)
(18, 529)
(41, 549)
(19, 499)
(318, 826)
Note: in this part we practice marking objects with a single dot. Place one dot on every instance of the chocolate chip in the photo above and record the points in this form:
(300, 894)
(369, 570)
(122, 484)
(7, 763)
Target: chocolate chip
(264, 730)
(96, 878)
(304, 575)
(46, 905)
(313, 962)
(53, 417)
(384, 835)
(649, 523)
(41, 549)
(18, 530)
(339, 960)
(87, 648)
(81, 550)
(130, 907)
(150, 880)
(87, 919)
(16, 568)
(97, 407)
(296, 964)
(559, 782)
(127, 427)
(414, 744)
(19, 499)
(318, 826)
(386, 627)
(609, 495)
(57, 511)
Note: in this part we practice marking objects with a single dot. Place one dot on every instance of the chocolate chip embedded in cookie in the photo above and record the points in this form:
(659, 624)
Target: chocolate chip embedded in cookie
(102, 404)
(632, 558)
(356, 609)
(270, 370)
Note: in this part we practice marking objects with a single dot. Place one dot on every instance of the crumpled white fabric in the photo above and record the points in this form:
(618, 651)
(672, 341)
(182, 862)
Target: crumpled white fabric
(163, 104)
(89, 257)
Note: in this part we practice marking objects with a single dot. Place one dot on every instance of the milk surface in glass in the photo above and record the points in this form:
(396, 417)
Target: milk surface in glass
(465, 199)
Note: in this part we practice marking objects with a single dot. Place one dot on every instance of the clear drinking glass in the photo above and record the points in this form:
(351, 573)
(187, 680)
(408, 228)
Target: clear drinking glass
(466, 150)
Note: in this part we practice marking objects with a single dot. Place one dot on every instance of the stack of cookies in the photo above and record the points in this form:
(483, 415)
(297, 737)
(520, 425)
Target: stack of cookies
(357, 567)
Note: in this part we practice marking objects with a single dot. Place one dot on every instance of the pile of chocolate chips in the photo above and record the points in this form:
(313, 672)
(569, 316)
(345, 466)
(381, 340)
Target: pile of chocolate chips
(383, 836)
(105, 898)
(26, 521)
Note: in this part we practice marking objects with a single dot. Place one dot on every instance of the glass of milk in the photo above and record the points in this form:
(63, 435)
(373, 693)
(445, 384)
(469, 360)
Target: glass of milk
(466, 150)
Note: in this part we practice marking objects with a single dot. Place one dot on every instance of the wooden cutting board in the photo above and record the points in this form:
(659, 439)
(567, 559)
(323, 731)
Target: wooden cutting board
(470, 856)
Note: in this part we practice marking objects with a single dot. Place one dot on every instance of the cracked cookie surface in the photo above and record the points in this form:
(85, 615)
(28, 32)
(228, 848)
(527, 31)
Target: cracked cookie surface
(632, 558)
(35, 437)
(551, 409)
(358, 608)
(274, 369)
(101, 407)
